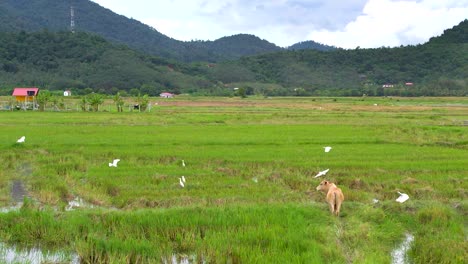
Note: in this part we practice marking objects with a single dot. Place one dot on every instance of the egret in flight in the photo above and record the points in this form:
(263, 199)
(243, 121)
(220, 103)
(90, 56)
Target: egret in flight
(321, 173)
(403, 197)
(114, 163)
(21, 139)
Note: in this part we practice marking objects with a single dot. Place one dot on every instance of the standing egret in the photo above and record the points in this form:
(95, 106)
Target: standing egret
(181, 183)
(21, 139)
(183, 163)
(403, 197)
(183, 179)
(327, 149)
(114, 163)
(321, 173)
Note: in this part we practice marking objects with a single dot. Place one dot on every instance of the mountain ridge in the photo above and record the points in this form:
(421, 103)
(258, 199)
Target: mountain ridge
(54, 15)
(57, 59)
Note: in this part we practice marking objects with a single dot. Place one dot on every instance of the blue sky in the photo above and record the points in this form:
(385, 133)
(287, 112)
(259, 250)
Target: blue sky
(342, 23)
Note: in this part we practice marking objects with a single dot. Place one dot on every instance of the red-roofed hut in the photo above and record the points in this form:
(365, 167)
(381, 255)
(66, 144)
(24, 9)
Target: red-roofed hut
(26, 96)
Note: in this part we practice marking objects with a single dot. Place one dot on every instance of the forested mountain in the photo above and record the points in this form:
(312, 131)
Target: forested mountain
(239, 45)
(439, 67)
(309, 44)
(458, 34)
(85, 62)
(54, 15)
(65, 60)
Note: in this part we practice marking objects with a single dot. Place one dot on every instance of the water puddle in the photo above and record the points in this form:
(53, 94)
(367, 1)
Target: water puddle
(35, 256)
(182, 259)
(399, 255)
(13, 208)
(78, 202)
(18, 192)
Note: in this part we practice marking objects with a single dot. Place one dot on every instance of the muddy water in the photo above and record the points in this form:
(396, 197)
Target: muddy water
(18, 192)
(400, 254)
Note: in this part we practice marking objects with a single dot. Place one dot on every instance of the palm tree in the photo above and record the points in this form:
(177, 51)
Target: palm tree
(118, 102)
(83, 103)
(143, 102)
(95, 100)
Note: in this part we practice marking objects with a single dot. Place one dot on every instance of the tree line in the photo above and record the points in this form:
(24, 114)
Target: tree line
(86, 63)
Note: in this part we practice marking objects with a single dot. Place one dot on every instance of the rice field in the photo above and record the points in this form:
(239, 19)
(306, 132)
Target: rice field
(249, 195)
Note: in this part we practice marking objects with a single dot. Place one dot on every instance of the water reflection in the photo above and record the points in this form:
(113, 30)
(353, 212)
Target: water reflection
(77, 203)
(35, 256)
(13, 208)
(399, 255)
(182, 259)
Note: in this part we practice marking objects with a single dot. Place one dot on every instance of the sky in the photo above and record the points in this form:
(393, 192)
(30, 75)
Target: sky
(341, 23)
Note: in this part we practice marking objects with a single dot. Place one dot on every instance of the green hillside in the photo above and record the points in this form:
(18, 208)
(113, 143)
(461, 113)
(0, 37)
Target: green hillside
(439, 67)
(309, 44)
(458, 34)
(86, 63)
(63, 60)
(54, 15)
(238, 45)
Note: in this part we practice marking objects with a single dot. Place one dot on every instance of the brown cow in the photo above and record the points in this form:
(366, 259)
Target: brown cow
(335, 196)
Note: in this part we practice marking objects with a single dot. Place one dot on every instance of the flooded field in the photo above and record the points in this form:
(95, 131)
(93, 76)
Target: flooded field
(14, 255)
(250, 191)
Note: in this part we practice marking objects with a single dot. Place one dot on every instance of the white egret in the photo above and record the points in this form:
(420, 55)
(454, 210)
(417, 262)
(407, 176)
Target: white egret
(114, 163)
(321, 173)
(375, 200)
(327, 149)
(183, 163)
(21, 139)
(403, 197)
(181, 183)
(183, 179)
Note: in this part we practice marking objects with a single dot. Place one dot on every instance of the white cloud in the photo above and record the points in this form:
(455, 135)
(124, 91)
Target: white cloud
(350, 23)
(394, 23)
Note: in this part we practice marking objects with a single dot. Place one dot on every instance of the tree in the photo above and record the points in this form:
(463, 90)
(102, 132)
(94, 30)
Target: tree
(241, 92)
(55, 102)
(95, 100)
(118, 102)
(42, 99)
(143, 102)
(84, 103)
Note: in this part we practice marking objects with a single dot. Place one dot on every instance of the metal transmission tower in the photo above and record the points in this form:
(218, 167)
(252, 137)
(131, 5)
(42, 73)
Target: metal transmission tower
(72, 19)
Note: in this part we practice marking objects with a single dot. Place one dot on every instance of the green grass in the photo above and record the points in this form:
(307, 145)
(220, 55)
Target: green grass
(418, 146)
